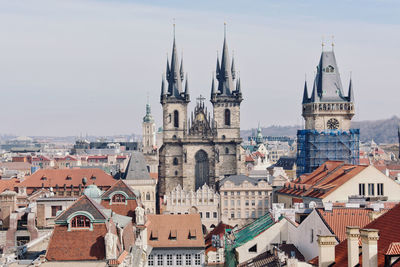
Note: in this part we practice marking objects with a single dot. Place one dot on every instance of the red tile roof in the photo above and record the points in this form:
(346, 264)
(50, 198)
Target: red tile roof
(186, 228)
(68, 157)
(323, 181)
(154, 175)
(220, 231)
(8, 184)
(97, 157)
(52, 177)
(338, 218)
(389, 232)
(249, 158)
(40, 158)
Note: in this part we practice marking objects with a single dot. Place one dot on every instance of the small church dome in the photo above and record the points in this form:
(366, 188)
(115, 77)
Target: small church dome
(92, 191)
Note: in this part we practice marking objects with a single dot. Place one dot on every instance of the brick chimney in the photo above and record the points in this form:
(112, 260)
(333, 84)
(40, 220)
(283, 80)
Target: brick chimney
(369, 238)
(353, 234)
(326, 250)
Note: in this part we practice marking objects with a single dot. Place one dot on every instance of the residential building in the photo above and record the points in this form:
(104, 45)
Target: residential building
(379, 244)
(176, 240)
(327, 113)
(337, 181)
(138, 178)
(215, 245)
(65, 182)
(243, 198)
(204, 201)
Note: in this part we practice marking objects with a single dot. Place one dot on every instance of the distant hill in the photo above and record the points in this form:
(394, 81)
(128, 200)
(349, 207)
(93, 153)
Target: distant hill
(381, 131)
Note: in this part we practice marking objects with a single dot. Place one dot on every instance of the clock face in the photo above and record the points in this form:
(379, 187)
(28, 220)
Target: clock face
(332, 124)
(200, 117)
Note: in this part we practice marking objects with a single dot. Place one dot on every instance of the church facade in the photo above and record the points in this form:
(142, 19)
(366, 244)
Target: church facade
(201, 148)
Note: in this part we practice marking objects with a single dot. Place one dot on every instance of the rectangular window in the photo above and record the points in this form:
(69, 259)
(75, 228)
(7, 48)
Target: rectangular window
(225, 193)
(201, 214)
(54, 210)
(197, 259)
(371, 189)
(232, 215)
(247, 214)
(247, 202)
(215, 215)
(179, 259)
(160, 260)
(232, 202)
(361, 189)
(151, 260)
(253, 214)
(207, 215)
(312, 236)
(226, 202)
(169, 259)
(380, 189)
(253, 202)
(238, 214)
(188, 259)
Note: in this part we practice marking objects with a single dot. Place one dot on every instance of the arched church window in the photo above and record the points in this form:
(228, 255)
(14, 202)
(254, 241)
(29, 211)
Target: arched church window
(118, 198)
(148, 196)
(176, 118)
(223, 137)
(227, 117)
(175, 161)
(80, 221)
(176, 173)
(226, 150)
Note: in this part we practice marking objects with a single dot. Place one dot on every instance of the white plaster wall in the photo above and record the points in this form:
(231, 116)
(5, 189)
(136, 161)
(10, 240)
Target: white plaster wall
(391, 189)
(275, 234)
(300, 236)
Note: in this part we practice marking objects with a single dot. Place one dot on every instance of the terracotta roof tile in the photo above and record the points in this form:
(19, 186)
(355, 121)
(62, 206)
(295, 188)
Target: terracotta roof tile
(8, 184)
(52, 177)
(188, 228)
(394, 249)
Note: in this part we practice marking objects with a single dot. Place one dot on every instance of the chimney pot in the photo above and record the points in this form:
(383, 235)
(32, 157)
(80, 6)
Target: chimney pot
(353, 235)
(326, 247)
(369, 238)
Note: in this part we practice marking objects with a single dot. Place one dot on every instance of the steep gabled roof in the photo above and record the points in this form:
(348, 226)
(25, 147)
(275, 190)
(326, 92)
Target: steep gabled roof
(86, 204)
(137, 168)
(119, 186)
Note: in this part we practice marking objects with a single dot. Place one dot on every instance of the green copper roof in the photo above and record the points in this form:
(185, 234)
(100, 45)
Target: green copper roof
(245, 234)
(148, 117)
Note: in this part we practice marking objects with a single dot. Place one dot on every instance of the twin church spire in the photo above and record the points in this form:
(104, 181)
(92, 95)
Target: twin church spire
(172, 83)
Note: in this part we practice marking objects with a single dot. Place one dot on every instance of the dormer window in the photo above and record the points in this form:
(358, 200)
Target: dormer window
(93, 177)
(118, 198)
(329, 69)
(80, 221)
(44, 178)
(68, 178)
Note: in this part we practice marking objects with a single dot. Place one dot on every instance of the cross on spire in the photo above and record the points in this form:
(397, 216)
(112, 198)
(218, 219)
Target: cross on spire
(200, 99)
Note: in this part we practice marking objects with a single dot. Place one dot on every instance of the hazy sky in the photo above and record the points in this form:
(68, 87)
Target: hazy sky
(71, 67)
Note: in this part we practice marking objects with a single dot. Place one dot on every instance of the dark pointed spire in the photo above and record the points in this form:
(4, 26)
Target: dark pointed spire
(175, 74)
(213, 92)
(218, 68)
(187, 86)
(314, 95)
(224, 72)
(181, 71)
(238, 87)
(350, 95)
(305, 93)
(163, 91)
(233, 70)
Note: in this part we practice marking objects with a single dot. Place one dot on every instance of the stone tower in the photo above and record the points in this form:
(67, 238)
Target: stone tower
(149, 132)
(327, 114)
(226, 98)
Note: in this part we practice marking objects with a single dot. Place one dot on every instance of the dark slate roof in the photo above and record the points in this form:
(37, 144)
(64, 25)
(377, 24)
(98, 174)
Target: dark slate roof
(119, 186)
(137, 168)
(238, 179)
(328, 82)
(286, 163)
(84, 203)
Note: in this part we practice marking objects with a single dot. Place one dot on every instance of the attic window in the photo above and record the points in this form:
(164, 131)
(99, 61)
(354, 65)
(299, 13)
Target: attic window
(118, 198)
(192, 234)
(93, 177)
(253, 248)
(329, 69)
(43, 178)
(68, 178)
(80, 221)
(154, 235)
(172, 235)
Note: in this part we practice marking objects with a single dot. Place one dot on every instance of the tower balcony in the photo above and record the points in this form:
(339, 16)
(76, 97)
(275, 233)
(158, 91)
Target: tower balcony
(328, 108)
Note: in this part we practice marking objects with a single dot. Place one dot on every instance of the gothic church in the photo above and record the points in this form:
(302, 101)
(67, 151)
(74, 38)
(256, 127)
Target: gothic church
(202, 148)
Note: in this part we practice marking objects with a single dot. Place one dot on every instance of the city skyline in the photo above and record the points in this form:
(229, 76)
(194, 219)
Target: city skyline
(88, 66)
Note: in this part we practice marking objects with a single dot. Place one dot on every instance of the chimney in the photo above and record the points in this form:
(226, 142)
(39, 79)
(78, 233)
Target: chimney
(369, 238)
(326, 250)
(353, 234)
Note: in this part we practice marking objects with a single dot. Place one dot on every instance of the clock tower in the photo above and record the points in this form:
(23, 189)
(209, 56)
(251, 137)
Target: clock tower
(327, 134)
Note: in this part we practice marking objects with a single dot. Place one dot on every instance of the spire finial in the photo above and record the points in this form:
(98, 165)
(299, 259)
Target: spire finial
(147, 97)
(333, 42)
(322, 43)
(173, 25)
(351, 75)
(225, 30)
